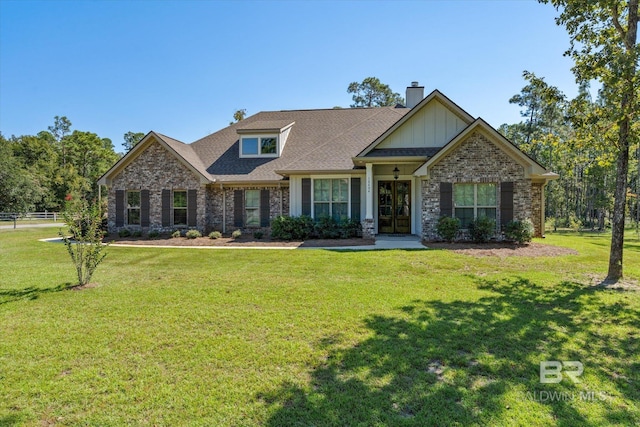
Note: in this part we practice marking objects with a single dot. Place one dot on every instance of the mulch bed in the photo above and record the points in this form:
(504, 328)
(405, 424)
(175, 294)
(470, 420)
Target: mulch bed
(502, 250)
(243, 241)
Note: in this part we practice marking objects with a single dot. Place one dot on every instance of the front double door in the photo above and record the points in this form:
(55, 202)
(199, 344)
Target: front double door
(394, 207)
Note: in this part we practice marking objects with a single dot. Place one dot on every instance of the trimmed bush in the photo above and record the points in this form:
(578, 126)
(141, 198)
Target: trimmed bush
(215, 235)
(236, 234)
(291, 228)
(482, 229)
(125, 232)
(136, 233)
(448, 228)
(327, 228)
(153, 234)
(350, 227)
(176, 234)
(258, 234)
(519, 231)
(193, 234)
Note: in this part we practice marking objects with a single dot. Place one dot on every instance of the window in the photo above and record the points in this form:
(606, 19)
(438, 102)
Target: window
(250, 146)
(133, 207)
(474, 200)
(268, 145)
(259, 146)
(252, 207)
(331, 198)
(179, 208)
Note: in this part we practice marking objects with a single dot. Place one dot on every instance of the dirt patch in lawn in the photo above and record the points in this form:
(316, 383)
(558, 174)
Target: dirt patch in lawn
(624, 284)
(243, 241)
(502, 250)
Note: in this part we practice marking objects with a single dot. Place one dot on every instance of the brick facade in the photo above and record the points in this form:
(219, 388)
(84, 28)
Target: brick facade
(475, 160)
(278, 205)
(155, 170)
(537, 194)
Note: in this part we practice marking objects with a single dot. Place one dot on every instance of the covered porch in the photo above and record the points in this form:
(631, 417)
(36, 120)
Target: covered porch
(393, 198)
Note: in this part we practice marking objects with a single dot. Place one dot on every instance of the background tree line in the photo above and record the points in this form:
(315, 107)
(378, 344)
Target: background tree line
(37, 172)
(574, 139)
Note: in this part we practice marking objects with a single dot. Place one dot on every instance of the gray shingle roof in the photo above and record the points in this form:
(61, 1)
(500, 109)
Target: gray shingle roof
(319, 140)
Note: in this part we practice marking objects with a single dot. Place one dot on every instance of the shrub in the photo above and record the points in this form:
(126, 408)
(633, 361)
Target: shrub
(236, 234)
(519, 231)
(327, 228)
(215, 235)
(350, 227)
(193, 234)
(291, 228)
(448, 228)
(258, 234)
(176, 234)
(125, 232)
(136, 233)
(482, 229)
(153, 234)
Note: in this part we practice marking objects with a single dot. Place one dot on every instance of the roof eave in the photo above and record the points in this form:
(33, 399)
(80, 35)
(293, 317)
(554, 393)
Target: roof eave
(290, 172)
(361, 161)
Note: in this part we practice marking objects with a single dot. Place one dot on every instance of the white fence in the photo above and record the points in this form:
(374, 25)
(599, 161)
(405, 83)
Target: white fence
(29, 216)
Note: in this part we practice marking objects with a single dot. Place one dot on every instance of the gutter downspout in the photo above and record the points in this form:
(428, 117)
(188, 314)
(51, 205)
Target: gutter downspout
(281, 197)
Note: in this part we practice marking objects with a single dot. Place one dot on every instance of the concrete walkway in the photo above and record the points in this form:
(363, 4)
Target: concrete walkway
(398, 242)
(382, 242)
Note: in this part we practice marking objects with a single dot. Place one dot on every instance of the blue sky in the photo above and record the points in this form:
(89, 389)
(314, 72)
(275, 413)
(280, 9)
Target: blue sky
(183, 67)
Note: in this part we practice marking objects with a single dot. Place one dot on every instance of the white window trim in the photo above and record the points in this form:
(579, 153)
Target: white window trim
(313, 201)
(260, 154)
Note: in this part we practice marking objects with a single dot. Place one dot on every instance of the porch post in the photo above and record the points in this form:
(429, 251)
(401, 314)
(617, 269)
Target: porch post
(369, 192)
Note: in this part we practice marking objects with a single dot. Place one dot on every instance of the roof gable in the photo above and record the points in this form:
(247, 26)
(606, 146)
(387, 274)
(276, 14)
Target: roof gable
(532, 168)
(183, 153)
(431, 123)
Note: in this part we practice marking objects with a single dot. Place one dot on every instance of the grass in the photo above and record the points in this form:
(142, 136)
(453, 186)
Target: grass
(314, 337)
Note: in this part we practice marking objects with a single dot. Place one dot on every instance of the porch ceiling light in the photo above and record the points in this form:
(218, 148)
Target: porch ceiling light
(396, 172)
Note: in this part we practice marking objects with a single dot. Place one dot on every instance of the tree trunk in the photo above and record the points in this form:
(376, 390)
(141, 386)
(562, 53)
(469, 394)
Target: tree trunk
(626, 108)
(617, 227)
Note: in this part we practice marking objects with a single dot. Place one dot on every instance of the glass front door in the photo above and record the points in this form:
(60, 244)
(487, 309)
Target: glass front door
(394, 207)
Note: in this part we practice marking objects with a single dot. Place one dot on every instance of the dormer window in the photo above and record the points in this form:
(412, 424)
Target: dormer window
(260, 146)
(263, 138)
(268, 145)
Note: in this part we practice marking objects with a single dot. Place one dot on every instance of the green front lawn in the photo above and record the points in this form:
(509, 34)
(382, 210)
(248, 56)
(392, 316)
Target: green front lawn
(314, 337)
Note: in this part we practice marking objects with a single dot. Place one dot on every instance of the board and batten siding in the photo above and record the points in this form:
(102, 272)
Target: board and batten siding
(432, 126)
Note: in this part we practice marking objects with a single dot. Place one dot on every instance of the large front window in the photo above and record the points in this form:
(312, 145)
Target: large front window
(133, 207)
(472, 201)
(179, 208)
(331, 198)
(252, 207)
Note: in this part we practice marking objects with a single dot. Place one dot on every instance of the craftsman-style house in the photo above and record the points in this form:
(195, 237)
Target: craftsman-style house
(396, 169)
